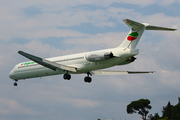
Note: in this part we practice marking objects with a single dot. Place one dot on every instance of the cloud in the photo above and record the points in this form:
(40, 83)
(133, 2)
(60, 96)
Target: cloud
(99, 40)
(81, 103)
(9, 107)
(17, 23)
(164, 20)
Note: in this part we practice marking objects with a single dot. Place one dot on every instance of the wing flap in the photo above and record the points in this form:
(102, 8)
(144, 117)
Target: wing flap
(46, 63)
(108, 72)
(64, 67)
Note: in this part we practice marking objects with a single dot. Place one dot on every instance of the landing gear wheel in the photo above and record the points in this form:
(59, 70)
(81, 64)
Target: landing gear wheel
(67, 76)
(87, 79)
(15, 84)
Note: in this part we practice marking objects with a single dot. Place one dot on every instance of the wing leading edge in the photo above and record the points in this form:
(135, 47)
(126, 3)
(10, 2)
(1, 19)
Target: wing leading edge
(46, 63)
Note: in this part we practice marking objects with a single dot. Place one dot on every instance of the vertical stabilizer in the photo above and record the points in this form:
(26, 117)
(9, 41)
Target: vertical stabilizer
(134, 35)
(136, 32)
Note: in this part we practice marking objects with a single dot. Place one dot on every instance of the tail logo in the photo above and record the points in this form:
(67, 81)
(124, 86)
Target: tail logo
(132, 36)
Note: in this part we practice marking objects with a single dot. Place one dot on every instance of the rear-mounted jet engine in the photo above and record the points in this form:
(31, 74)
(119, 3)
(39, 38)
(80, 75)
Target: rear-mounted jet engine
(98, 56)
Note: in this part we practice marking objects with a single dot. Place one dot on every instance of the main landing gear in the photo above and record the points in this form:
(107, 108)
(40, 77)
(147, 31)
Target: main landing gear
(67, 76)
(87, 78)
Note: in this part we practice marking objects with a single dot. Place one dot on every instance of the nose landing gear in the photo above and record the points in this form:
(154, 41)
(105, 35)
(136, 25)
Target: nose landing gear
(15, 84)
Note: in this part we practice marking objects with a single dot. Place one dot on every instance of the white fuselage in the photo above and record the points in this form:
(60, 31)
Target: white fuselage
(31, 69)
(88, 62)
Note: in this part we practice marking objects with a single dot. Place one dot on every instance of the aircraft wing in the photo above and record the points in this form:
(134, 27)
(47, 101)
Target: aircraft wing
(46, 63)
(108, 72)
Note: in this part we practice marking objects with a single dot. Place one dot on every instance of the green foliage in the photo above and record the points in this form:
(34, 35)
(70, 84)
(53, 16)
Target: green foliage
(155, 117)
(141, 106)
(169, 112)
(166, 118)
(176, 111)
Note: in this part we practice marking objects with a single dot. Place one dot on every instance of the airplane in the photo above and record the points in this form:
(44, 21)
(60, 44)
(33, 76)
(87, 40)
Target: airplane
(90, 63)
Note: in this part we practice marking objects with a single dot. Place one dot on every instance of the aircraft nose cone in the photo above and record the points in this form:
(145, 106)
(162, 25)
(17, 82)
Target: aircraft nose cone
(11, 74)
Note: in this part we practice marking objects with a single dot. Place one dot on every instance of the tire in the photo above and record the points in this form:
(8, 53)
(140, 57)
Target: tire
(15, 84)
(89, 79)
(86, 79)
(65, 76)
(68, 76)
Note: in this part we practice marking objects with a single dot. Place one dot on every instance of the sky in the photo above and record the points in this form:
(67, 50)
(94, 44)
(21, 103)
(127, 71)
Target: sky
(60, 27)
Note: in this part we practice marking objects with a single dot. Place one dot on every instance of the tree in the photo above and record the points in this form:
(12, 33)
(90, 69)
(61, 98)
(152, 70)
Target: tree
(167, 111)
(155, 117)
(141, 106)
(176, 111)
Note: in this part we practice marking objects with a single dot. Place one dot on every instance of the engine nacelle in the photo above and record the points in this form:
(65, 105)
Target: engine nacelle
(98, 56)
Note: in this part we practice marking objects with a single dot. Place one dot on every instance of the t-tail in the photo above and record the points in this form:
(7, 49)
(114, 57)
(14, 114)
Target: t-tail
(136, 32)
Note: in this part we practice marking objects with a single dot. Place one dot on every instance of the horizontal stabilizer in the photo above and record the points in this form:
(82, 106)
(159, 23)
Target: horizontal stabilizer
(108, 72)
(136, 26)
(149, 27)
(46, 63)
